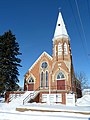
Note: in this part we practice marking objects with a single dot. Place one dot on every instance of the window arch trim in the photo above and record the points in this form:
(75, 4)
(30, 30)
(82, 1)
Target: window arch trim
(59, 48)
(44, 65)
(31, 80)
(60, 76)
(65, 49)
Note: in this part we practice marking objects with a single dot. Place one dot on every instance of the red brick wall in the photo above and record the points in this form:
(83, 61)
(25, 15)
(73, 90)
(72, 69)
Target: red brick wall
(36, 71)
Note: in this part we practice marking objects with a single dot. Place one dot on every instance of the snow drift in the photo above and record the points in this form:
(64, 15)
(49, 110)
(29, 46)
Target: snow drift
(84, 101)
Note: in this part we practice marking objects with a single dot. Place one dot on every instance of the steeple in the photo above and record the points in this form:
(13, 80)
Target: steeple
(60, 30)
(61, 43)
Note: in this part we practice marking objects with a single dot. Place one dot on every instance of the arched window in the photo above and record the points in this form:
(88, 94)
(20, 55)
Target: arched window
(46, 78)
(60, 75)
(41, 83)
(31, 80)
(65, 49)
(59, 49)
(44, 74)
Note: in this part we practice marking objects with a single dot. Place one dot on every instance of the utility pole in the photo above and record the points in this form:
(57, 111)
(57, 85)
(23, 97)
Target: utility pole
(49, 86)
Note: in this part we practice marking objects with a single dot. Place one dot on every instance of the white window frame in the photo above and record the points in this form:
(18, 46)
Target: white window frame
(59, 49)
(60, 77)
(65, 49)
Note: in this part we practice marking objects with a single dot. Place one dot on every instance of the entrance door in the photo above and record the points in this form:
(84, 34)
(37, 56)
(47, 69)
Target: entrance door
(31, 87)
(60, 84)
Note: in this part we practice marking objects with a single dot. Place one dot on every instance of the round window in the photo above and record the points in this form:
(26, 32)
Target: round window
(44, 65)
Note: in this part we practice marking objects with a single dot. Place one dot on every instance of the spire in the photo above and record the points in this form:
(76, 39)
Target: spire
(60, 30)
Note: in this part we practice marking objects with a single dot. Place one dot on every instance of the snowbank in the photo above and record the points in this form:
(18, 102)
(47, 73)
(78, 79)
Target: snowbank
(15, 102)
(2, 99)
(19, 100)
(7, 113)
(84, 101)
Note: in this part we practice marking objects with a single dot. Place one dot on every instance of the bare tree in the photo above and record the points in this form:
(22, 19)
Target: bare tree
(83, 79)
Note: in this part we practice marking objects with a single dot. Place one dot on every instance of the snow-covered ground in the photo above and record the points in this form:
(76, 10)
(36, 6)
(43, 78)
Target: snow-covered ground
(8, 111)
(84, 101)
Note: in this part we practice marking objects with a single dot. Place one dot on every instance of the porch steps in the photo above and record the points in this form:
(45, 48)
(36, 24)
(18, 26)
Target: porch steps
(27, 96)
(30, 96)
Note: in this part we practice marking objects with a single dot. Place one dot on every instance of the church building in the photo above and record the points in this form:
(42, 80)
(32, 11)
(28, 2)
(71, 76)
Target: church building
(53, 76)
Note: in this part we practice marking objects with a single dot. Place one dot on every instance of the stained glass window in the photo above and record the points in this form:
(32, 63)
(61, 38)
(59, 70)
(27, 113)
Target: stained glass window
(60, 76)
(44, 65)
(41, 83)
(31, 80)
(46, 78)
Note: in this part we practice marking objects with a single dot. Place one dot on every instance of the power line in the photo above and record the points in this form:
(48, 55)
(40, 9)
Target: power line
(79, 33)
(81, 26)
(88, 7)
(77, 25)
(77, 28)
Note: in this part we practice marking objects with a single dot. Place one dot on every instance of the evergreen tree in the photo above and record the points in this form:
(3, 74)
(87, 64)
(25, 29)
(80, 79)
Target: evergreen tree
(9, 62)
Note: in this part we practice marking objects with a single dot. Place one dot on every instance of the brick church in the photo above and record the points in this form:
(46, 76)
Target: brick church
(53, 76)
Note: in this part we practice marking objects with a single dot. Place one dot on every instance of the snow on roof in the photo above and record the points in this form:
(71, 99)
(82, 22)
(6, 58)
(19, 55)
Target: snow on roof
(60, 30)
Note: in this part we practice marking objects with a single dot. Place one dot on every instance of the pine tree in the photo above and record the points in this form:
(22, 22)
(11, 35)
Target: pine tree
(9, 62)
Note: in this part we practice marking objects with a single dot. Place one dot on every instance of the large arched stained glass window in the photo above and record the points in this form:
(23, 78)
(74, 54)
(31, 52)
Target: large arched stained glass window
(41, 83)
(60, 75)
(46, 78)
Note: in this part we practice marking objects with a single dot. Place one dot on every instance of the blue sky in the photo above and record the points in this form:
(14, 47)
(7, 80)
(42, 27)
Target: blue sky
(33, 23)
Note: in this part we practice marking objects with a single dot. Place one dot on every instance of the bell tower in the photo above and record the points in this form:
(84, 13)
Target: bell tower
(61, 41)
(62, 58)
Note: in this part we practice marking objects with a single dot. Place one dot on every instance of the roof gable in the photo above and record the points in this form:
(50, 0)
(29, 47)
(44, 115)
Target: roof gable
(43, 54)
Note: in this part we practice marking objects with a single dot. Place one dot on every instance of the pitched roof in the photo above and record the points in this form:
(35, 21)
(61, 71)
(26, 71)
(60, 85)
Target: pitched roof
(60, 30)
(44, 53)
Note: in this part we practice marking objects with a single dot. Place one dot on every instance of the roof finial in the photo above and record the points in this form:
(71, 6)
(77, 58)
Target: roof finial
(59, 9)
